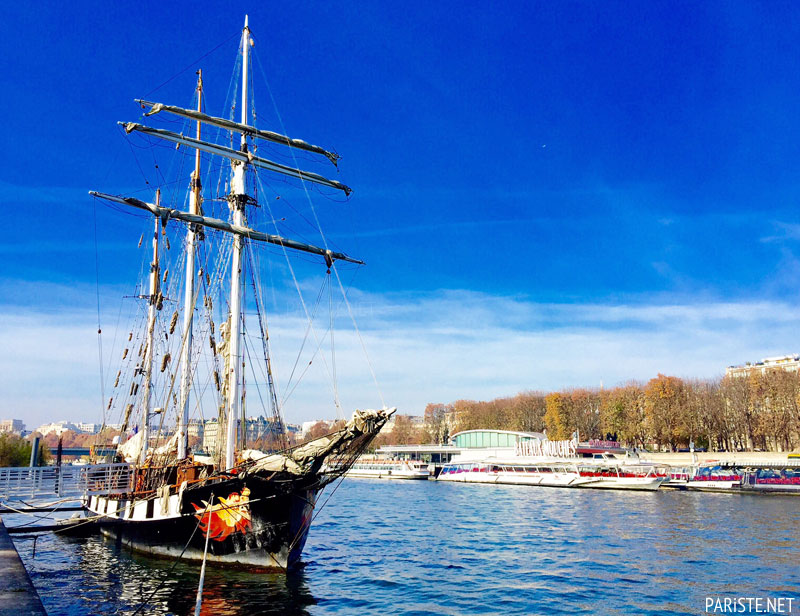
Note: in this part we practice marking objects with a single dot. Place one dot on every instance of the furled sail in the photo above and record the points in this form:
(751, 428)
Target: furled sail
(308, 458)
(239, 128)
(215, 223)
(245, 157)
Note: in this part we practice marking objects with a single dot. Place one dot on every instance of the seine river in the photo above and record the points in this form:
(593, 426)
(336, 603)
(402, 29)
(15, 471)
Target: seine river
(383, 547)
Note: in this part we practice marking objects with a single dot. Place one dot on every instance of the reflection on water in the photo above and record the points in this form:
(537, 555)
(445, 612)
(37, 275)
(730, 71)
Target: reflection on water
(425, 547)
(97, 576)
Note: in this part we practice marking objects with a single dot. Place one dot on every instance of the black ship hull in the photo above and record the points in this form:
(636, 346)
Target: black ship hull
(251, 522)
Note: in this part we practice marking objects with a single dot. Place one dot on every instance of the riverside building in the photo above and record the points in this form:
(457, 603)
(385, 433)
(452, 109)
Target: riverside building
(788, 363)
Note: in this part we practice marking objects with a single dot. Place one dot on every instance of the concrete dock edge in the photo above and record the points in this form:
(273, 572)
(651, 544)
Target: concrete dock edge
(17, 594)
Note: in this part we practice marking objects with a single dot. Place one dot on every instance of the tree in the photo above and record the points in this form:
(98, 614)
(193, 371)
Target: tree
(666, 410)
(583, 412)
(319, 429)
(554, 417)
(436, 423)
(16, 451)
(404, 432)
(613, 412)
(526, 412)
(738, 417)
(709, 427)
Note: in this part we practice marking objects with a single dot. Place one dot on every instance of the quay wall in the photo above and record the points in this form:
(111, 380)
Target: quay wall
(684, 459)
(17, 595)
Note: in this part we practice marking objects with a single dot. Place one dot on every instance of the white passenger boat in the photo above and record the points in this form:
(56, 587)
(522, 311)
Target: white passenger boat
(621, 475)
(552, 473)
(557, 472)
(715, 477)
(389, 469)
(677, 477)
(772, 476)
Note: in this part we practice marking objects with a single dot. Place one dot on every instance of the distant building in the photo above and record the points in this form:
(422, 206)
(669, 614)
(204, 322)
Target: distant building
(57, 428)
(210, 435)
(196, 428)
(417, 422)
(486, 439)
(257, 428)
(490, 442)
(89, 428)
(262, 427)
(15, 426)
(788, 363)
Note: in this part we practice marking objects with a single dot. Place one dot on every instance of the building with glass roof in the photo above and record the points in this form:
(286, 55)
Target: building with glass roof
(484, 439)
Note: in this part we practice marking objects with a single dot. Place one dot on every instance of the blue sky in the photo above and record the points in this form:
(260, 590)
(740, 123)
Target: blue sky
(547, 194)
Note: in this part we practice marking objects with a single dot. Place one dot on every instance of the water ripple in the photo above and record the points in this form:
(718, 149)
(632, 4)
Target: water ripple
(426, 548)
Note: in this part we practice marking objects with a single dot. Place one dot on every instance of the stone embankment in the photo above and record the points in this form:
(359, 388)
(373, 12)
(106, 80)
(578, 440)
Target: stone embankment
(743, 458)
(17, 595)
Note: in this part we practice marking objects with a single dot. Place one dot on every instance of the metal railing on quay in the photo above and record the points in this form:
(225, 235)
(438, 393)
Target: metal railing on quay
(64, 481)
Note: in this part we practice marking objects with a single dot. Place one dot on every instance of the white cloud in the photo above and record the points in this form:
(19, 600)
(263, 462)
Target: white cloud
(424, 348)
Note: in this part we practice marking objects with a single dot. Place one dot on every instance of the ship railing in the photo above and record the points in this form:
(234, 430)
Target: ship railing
(18, 483)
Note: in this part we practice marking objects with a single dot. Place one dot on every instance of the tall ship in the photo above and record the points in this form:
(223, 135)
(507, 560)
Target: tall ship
(204, 344)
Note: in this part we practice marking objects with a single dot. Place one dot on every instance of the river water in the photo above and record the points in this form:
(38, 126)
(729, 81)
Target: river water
(417, 547)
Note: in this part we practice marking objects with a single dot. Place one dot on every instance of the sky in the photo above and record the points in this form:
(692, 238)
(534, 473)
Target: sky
(546, 194)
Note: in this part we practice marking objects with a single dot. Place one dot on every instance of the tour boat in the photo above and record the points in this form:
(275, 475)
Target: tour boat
(715, 477)
(772, 477)
(555, 472)
(389, 469)
(237, 506)
(676, 477)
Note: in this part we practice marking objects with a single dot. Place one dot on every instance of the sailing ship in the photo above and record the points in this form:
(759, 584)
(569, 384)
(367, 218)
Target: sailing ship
(235, 505)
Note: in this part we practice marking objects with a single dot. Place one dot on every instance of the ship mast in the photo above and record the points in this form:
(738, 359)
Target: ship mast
(238, 199)
(241, 159)
(188, 299)
(149, 355)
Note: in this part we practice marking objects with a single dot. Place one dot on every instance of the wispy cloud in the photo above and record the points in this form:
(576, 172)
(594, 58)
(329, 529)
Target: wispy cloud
(424, 348)
(470, 224)
(784, 231)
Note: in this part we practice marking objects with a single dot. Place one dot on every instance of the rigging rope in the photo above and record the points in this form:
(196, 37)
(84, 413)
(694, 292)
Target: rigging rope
(99, 328)
(333, 346)
(199, 602)
(180, 72)
(322, 234)
(276, 409)
(167, 575)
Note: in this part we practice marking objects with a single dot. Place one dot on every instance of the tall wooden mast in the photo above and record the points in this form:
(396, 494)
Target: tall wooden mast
(149, 353)
(189, 297)
(238, 199)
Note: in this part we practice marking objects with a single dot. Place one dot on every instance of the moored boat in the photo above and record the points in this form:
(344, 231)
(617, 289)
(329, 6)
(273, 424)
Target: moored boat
(715, 477)
(676, 477)
(777, 477)
(388, 469)
(556, 472)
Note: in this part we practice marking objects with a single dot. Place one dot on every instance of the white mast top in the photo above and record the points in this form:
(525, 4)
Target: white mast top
(245, 58)
(238, 191)
(149, 355)
(189, 293)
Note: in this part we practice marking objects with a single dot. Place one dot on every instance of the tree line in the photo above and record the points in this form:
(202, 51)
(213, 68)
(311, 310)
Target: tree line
(16, 451)
(733, 413)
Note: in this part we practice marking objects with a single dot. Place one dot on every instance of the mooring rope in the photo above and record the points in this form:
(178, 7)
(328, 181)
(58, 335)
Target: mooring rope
(176, 561)
(199, 602)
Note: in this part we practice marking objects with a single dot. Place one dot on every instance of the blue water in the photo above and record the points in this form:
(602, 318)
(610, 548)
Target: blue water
(382, 547)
